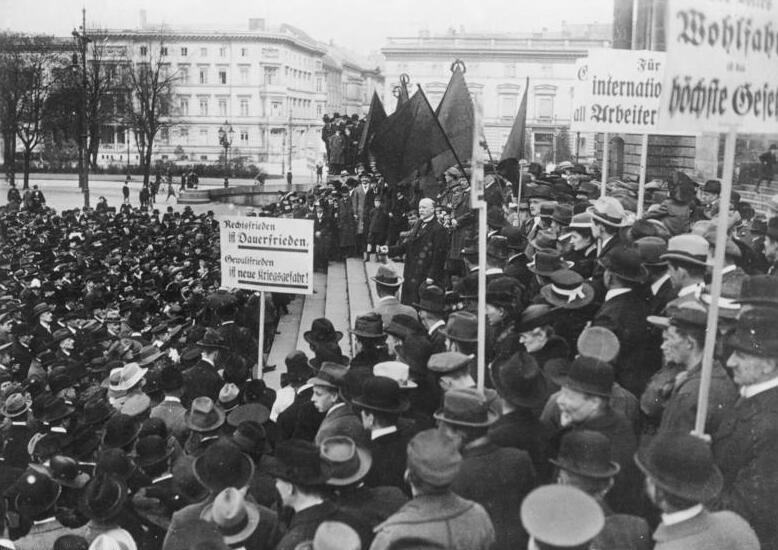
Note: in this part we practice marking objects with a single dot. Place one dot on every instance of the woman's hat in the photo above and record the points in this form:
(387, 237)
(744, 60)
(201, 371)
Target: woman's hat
(236, 518)
(321, 331)
(223, 465)
(519, 381)
(567, 290)
(397, 371)
(382, 394)
(586, 453)
(547, 262)
(203, 415)
(347, 462)
(369, 325)
(466, 407)
(682, 465)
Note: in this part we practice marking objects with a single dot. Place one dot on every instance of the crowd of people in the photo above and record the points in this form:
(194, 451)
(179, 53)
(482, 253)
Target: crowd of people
(135, 415)
(341, 135)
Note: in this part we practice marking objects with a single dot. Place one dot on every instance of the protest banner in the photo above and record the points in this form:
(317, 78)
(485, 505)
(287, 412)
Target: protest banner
(266, 254)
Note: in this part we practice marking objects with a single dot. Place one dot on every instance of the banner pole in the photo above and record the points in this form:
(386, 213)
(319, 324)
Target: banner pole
(642, 180)
(711, 330)
(477, 202)
(518, 191)
(604, 170)
(261, 341)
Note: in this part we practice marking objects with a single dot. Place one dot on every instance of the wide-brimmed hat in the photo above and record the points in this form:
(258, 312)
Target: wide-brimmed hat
(625, 263)
(687, 314)
(599, 343)
(462, 326)
(369, 325)
(682, 465)
(756, 332)
(15, 405)
(519, 381)
(546, 509)
(299, 462)
(466, 407)
(236, 518)
(54, 409)
(321, 331)
(687, 248)
(330, 375)
(567, 290)
(432, 298)
(66, 471)
(152, 449)
(434, 458)
(386, 276)
(546, 262)
(590, 376)
(130, 374)
(397, 371)
(204, 415)
(212, 340)
(223, 465)
(586, 453)
(348, 463)
(383, 394)
(103, 498)
(609, 211)
(255, 412)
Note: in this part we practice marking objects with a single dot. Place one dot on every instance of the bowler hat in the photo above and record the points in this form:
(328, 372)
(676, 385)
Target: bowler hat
(103, 498)
(348, 463)
(236, 518)
(625, 263)
(212, 340)
(152, 449)
(120, 431)
(329, 375)
(563, 214)
(299, 462)
(590, 376)
(598, 343)
(519, 381)
(322, 331)
(203, 415)
(567, 290)
(682, 465)
(759, 290)
(382, 394)
(403, 325)
(561, 516)
(433, 458)
(386, 276)
(609, 211)
(547, 262)
(462, 326)
(504, 291)
(432, 298)
(397, 371)
(651, 250)
(586, 453)
(369, 325)
(36, 493)
(223, 465)
(466, 407)
(687, 248)
(756, 332)
(251, 438)
(65, 471)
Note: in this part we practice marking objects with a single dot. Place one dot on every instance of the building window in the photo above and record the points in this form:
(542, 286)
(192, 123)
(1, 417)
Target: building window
(275, 109)
(270, 75)
(163, 50)
(318, 109)
(144, 50)
(222, 52)
(244, 52)
(203, 52)
(544, 108)
(203, 157)
(184, 135)
(244, 136)
(318, 84)
(222, 76)
(203, 106)
(244, 75)
(203, 136)
(222, 106)
(203, 75)
(244, 107)
(508, 106)
(184, 52)
(183, 75)
(184, 105)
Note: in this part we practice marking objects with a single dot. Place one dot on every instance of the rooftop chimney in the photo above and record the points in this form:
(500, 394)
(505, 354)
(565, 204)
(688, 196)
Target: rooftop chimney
(256, 24)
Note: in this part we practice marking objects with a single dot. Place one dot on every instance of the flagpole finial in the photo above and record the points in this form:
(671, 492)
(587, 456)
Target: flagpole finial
(396, 91)
(405, 79)
(458, 64)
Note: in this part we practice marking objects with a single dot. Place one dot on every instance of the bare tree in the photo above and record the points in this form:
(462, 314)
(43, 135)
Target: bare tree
(103, 88)
(11, 90)
(151, 85)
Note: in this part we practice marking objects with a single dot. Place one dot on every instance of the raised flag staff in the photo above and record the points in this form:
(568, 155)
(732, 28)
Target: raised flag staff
(477, 202)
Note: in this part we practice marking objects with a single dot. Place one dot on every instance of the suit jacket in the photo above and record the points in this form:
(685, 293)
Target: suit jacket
(389, 454)
(425, 256)
(622, 531)
(304, 523)
(172, 414)
(745, 448)
(438, 340)
(720, 530)
(300, 420)
(341, 421)
(625, 316)
(371, 505)
(16, 439)
(657, 302)
(389, 306)
(522, 429)
(444, 520)
(498, 479)
(358, 202)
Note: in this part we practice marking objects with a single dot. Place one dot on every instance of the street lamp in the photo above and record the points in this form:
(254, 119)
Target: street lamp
(225, 140)
(83, 156)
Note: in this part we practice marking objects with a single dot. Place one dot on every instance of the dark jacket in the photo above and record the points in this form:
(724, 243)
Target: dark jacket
(341, 421)
(425, 256)
(522, 429)
(304, 523)
(300, 420)
(389, 457)
(202, 379)
(371, 505)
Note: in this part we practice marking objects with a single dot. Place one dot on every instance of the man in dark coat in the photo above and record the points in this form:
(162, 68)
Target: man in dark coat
(498, 478)
(425, 253)
(203, 378)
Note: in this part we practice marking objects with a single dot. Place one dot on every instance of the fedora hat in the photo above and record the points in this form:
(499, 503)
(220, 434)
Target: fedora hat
(687, 314)
(386, 276)
(212, 340)
(382, 394)
(609, 211)
(651, 250)
(567, 290)
(563, 214)
(682, 465)
(203, 415)
(135, 404)
(503, 291)
(37, 492)
(297, 367)
(223, 465)
(515, 237)
(432, 298)
(590, 376)
(462, 326)
(545, 240)
(759, 290)
(251, 438)
(229, 397)
(54, 409)
(687, 248)
(586, 453)
(756, 332)
(322, 331)
(299, 462)
(15, 405)
(369, 325)
(103, 498)
(466, 407)
(519, 381)
(546, 262)
(329, 375)
(236, 518)
(42, 307)
(626, 264)
(65, 471)
(152, 449)
(598, 343)
(403, 325)
(148, 354)
(120, 431)
(255, 412)
(348, 463)
(129, 376)
(546, 509)
(397, 371)
(434, 458)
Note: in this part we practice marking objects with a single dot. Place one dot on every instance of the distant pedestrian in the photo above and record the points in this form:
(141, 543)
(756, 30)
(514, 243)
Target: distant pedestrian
(319, 171)
(289, 177)
(171, 192)
(767, 161)
(126, 192)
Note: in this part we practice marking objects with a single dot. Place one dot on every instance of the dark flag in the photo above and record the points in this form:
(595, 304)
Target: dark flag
(455, 113)
(402, 91)
(514, 147)
(407, 139)
(375, 117)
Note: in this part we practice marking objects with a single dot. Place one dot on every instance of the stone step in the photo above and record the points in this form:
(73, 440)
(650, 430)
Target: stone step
(285, 341)
(336, 307)
(360, 300)
(313, 309)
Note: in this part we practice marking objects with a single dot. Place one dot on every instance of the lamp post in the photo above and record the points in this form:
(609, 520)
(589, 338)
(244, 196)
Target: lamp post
(83, 156)
(225, 139)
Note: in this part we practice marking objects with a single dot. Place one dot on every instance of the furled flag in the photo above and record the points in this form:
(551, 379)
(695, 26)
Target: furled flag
(514, 147)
